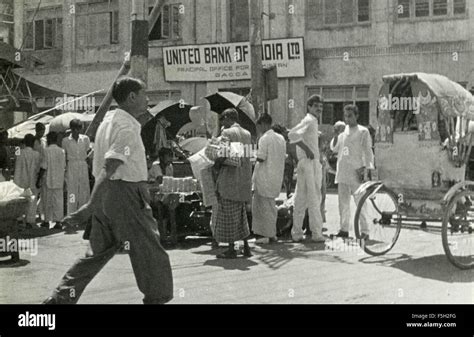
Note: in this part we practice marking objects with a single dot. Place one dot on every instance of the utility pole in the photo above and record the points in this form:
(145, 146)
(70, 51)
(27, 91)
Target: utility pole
(139, 48)
(255, 14)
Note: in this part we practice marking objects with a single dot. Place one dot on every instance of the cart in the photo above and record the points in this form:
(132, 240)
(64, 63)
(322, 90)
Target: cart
(421, 154)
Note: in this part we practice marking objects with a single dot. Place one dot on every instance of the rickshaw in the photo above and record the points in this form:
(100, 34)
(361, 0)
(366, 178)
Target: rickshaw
(422, 147)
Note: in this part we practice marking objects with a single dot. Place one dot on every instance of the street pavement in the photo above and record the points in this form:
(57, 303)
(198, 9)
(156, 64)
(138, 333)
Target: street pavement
(416, 271)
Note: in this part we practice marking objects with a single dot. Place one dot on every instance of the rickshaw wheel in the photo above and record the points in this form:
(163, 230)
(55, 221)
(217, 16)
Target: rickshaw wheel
(456, 231)
(384, 221)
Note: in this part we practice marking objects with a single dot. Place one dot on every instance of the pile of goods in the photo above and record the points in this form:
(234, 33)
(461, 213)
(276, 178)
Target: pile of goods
(179, 185)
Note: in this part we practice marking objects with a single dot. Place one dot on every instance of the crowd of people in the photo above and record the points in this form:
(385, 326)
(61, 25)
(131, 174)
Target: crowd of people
(55, 169)
(118, 207)
(352, 144)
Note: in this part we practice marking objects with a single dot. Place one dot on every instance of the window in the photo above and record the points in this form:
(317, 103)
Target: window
(459, 7)
(239, 20)
(97, 23)
(29, 43)
(430, 8)
(440, 7)
(334, 12)
(403, 9)
(335, 98)
(422, 8)
(43, 30)
(363, 8)
(168, 25)
(330, 12)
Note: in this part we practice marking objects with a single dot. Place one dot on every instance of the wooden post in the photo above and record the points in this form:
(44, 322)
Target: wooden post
(139, 49)
(256, 55)
(105, 104)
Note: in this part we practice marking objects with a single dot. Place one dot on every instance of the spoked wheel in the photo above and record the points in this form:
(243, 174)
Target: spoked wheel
(457, 230)
(379, 210)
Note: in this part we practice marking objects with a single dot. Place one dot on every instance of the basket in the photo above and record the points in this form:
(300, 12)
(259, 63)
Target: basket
(13, 209)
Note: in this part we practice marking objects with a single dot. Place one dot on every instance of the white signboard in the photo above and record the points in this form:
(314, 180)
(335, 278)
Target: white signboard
(231, 61)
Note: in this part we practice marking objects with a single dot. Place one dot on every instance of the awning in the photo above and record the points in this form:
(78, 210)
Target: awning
(8, 57)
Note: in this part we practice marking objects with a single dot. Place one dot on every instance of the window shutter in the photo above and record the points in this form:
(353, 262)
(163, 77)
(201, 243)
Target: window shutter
(81, 30)
(330, 11)
(314, 14)
(48, 33)
(59, 33)
(165, 26)
(403, 9)
(363, 10)
(39, 34)
(176, 22)
(114, 30)
(28, 33)
(347, 11)
(459, 7)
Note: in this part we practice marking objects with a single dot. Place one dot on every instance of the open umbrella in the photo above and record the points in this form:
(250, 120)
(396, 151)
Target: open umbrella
(223, 100)
(61, 122)
(21, 130)
(176, 115)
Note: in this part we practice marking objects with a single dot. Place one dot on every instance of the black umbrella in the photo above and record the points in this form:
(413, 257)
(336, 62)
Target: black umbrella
(176, 113)
(223, 100)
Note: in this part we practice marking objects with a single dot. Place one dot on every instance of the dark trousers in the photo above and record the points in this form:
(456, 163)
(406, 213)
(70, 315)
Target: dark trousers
(122, 218)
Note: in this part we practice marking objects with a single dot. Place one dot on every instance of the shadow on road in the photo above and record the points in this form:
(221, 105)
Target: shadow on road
(241, 264)
(275, 256)
(10, 264)
(436, 267)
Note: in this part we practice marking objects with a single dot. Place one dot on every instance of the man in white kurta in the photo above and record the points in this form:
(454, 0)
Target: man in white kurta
(309, 172)
(267, 180)
(53, 166)
(76, 147)
(27, 166)
(355, 156)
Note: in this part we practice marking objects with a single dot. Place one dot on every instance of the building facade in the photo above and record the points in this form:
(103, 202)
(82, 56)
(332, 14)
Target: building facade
(348, 46)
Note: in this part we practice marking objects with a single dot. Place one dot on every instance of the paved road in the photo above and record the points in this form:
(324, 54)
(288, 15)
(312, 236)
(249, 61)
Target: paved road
(415, 271)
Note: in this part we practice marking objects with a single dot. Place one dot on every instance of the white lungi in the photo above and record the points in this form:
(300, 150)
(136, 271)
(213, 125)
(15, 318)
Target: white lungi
(308, 196)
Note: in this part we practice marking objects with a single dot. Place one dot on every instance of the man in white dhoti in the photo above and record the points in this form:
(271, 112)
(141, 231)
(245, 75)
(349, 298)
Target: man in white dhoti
(267, 180)
(309, 172)
(39, 146)
(51, 181)
(27, 166)
(77, 147)
(355, 157)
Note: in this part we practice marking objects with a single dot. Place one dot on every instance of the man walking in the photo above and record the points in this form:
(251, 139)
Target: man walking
(121, 213)
(309, 172)
(354, 152)
(267, 180)
(76, 147)
(234, 189)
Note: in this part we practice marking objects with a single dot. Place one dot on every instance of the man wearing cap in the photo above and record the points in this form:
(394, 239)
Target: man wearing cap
(309, 172)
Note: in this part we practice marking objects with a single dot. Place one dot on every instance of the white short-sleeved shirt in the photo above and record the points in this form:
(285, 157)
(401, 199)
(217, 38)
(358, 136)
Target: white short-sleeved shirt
(306, 131)
(76, 150)
(118, 137)
(268, 175)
